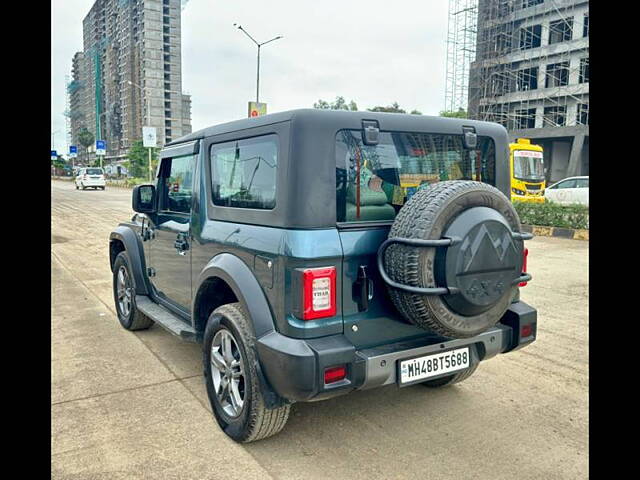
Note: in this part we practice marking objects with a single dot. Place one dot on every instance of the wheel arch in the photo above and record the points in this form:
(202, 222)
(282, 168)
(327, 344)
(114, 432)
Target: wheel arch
(123, 238)
(226, 279)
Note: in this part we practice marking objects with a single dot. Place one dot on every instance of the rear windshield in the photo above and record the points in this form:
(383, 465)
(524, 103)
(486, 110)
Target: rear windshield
(94, 171)
(374, 181)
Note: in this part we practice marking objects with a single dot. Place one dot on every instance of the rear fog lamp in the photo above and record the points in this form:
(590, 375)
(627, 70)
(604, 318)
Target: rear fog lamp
(335, 374)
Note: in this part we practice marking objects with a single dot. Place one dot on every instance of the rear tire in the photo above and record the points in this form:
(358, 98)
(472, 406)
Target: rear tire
(451, 379)
(232, 381)
(77, 187)
(124, 295)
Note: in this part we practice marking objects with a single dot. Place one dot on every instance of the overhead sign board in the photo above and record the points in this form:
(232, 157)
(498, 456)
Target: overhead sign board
(149, 138)
(54, 154)
(73, 151)
(257, 109)
(101, 147)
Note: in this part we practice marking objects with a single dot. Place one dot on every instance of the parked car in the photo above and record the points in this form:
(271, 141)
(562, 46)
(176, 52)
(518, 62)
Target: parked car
(314, 253)
(568, 191)
(90, 177)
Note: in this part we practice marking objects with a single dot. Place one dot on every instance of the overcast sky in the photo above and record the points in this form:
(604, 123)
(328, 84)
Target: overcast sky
(374, 52)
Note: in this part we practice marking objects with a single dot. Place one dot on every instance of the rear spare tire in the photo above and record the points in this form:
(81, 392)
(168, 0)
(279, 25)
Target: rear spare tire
(480, 268)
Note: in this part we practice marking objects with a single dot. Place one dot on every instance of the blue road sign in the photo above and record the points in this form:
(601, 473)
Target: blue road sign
(73, 151)
(54, 154)
(101, 147)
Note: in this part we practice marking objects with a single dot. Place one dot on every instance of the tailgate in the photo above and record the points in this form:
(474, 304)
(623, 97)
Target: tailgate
(380, 323)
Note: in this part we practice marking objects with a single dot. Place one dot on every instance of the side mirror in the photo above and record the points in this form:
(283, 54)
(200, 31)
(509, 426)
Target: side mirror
(144, 199)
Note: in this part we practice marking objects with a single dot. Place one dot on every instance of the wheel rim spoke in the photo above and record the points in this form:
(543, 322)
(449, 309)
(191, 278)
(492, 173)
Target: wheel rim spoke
(227, 372)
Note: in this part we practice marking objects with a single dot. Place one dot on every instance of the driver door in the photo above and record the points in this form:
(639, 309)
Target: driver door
(170, 248)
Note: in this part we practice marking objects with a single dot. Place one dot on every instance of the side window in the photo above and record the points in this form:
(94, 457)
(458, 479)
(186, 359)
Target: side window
(243, 172)
(566, 184)
(176, 184)
(582, 183)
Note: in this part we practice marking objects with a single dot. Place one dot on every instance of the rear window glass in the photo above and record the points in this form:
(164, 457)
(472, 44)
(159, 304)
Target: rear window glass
(244, 172)
(94, 171)
(375, 181)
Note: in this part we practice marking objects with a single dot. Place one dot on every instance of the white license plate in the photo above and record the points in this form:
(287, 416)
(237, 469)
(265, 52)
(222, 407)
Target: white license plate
(432, 365)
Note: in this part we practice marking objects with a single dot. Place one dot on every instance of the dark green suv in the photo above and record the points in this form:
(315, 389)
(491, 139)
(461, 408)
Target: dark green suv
(314, 253)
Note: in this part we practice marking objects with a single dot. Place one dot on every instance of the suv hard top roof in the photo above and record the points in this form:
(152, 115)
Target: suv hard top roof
(348, 119)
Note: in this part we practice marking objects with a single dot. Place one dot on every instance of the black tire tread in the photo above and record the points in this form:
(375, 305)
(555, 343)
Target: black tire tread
(450, 380)
(263, 422)
(415, 220)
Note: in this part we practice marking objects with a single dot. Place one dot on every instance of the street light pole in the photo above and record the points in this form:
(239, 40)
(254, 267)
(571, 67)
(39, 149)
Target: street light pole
(148, 104)
(259, 45)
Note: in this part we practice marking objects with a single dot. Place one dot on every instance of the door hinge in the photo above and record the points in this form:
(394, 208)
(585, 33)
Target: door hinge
(151, 272)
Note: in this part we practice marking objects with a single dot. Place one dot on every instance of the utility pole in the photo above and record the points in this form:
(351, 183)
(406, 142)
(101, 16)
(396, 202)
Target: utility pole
(259, 45)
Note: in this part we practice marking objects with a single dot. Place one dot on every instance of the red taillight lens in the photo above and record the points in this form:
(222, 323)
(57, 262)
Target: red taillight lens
(526, 331)
(335, 374)
(525, 254)
(318, 293)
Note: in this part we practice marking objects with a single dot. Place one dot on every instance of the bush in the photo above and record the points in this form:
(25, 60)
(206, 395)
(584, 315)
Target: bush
(550, 214)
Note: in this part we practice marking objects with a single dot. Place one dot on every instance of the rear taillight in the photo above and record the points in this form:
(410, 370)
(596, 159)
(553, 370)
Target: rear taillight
(335, 374)
(318, 293)
(525, 254)
(526, 331)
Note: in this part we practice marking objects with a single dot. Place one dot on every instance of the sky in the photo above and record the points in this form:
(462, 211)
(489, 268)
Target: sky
(374, 52)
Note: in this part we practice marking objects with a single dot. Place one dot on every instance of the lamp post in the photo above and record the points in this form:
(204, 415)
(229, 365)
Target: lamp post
(259, 45)
(148, 103)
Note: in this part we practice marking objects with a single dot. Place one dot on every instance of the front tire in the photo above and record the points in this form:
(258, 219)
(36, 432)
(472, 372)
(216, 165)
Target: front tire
(232, 380)
(124, 295)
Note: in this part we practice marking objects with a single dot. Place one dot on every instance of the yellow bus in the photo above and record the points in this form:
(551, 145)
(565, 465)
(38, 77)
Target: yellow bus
(526, 164)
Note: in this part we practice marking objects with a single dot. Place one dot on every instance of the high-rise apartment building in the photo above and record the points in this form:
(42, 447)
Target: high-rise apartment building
(130, 74)
(531, 74)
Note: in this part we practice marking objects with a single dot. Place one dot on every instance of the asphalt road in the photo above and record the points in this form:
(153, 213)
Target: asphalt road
(133, 405)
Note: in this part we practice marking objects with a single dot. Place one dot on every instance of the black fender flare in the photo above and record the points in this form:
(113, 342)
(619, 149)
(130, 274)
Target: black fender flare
(244, 285)
(133, 246)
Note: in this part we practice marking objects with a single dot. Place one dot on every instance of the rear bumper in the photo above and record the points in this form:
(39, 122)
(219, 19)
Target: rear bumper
(295, 367)
(527, 198)
(92, 183)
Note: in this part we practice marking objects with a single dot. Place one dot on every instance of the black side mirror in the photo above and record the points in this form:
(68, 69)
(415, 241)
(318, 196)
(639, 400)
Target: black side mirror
(144, 199)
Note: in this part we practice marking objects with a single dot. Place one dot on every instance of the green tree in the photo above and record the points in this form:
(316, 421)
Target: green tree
(393, 108)
(339, 104)
(86, 139)
(138, 160)
(461, 113)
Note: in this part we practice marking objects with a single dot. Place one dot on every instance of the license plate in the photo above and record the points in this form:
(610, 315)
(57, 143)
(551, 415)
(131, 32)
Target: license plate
(433, 365)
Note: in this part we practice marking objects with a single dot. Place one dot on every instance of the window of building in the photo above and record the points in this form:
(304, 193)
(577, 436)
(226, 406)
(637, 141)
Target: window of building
(167, 77)
(167, 113)
(167, 104)
(165, 29)
(374, 181)
(243, 172)
(167, 86)
(557, 75)
(582, 117)
(531, 3)
(527, 79)
(165, 48)
(525, 118)
(167, 58)
(530, 37)
(560, 30)
(167, 132)
(167, 95)
(585, 25)
(555, 116)
(167, 123)
(584, 71)
(165, 10)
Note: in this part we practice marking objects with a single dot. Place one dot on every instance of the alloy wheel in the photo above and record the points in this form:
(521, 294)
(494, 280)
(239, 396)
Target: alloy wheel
(227, 372)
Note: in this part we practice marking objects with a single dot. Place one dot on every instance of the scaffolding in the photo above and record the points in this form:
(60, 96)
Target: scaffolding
(528, 63)
(461, 48)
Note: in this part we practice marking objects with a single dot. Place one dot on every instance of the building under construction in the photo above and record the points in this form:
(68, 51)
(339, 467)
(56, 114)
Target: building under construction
(129, 74)
(525, 65)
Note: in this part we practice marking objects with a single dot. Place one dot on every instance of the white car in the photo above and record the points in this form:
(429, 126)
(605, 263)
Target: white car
(90, 177)
(570, 190)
